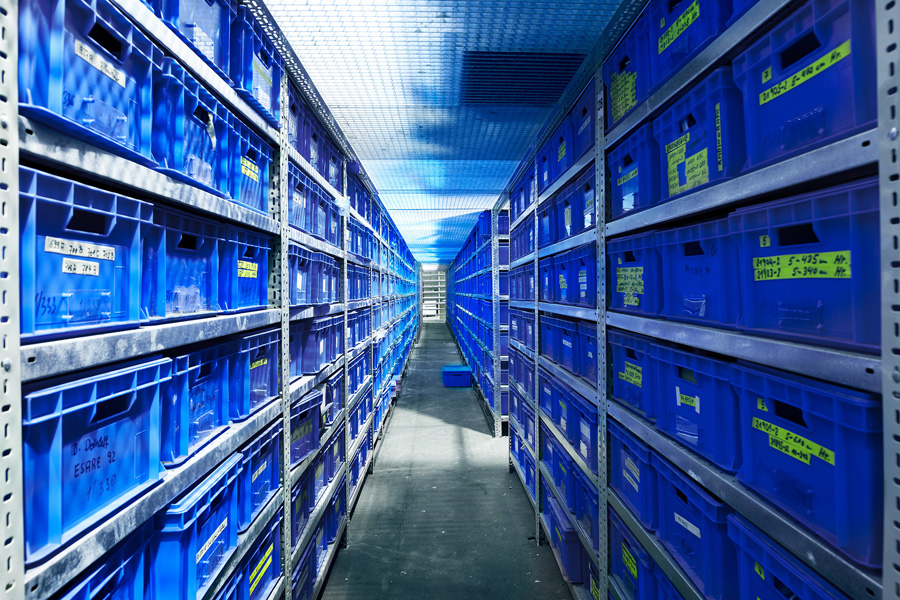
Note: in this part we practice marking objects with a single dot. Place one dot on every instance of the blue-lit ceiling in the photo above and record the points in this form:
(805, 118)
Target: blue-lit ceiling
(440, 100)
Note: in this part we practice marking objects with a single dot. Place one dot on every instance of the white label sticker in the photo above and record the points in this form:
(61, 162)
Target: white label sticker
(628, 478)
(73, 266)
(79, 249)
(687, 524)
(211, 540)
(259, 471)
(99, 63)
(629, 464)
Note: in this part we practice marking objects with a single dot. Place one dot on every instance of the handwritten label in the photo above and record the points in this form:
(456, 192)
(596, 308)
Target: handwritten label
(816, 265)
(561, 153)
(259, 363)
(677, 147)
(759, 570)
(719, 156)
(632, 374)
(630, 280)
(767, 75)
(687, 18)
(793, 445)
(627, 177)
(696, 171)
(247, 269)
(562, 282)
(629, 561)
(687, 524)
(261, 567)
(693, 401)
(761, 405)
(73, 266)
(205, 548)
(798, 79)
(765, 241)
(259, 471)
(595, 591)
(631, 300)
(79, 249)
(95, 60)
(623, 93)
(249, 169)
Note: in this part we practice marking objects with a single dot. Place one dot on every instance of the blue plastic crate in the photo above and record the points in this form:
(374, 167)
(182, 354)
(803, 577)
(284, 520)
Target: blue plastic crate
(583, 430)
(297, 121)
(304, 267)
(255, 66)
(626, 72)
(181, 266)
(197, 534)
(319, 210)
(587, 510)
(204, 24)
(765, 571)
(302, 504)
(249, 164)
(90, 445)
(563, 280)
(456, 376)
(303, 578)
(547, 276)
(550, 337)
(309, 346)
(548, 229)
(80, 257)
(334, 162)
(583, 273)
(699, 267)
(261, 567)
(305, 426)
(562, 151)
(244, 271)
(584, 189)
(191, 131)
(632, 474)
(196, 404)
(632, 358)
(528, 424)
(697, 406)
(634, 172)
(679, 30)
(635, 263)
(260, 478)
(809, 267)
(334, 396)
(317, 139)
(667, 591)
(300, 189)
(569, 212)
(692, 525)
(86, 69)
(586, 351)
(565, 541)
(528, 469)
(802, 85)
(549, 391)
(121, 573)
(582, 121)
(337, 510)
(568, 342)
(815, 450)
(563, 472)
(630, 567)
(253, 372)
(701, 136)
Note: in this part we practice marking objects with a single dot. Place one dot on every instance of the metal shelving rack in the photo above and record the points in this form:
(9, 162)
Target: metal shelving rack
(434, 294)
(44, 146)
(854, 156)
(497, 419)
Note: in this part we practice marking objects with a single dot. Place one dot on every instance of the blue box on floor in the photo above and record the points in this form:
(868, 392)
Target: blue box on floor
(456, 376)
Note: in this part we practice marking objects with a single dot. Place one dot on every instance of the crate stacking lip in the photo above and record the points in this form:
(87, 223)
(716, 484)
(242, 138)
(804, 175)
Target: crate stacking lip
(253, 372)
(80, 257)
(204, 25)
(93, 442)
(197, 534)
(256, 68)
(260, 478)
(86, 69)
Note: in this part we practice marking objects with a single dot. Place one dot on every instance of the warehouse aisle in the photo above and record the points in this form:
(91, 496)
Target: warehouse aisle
(442, 517)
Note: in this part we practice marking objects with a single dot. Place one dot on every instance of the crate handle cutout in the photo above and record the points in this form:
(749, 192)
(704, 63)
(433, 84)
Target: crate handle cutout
(106, 40)
(265, 58)
(801, 48)
(187, 242)
(86, 221)
(782, 589)
(794, 414)
(630, 353)
(630, 257)
(681, 495)
(623, 64)
(673, 4)
(250, 251)
(797, 235)
(693, 249)
(686, 123)
(687, 375)
(113, 407)
(205, 371)
(203, 116)
(252, 155)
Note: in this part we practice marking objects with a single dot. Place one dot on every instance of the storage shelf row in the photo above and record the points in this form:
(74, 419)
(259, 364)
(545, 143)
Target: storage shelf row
(570, 450)
(577, 591)
(586, 543)
(566, 178)
(576, 312)
(312, 522)
(297, 471)
(585, 237)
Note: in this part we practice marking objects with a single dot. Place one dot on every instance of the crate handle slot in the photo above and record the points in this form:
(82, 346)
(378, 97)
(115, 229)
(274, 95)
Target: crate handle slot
(252, 155)
(110, 585)
(629, 256)
(112, 407)
(693, 249)
(796, 235)
(187, 242)
(86, 221)
(630, 353)
(791, 413)
(687, 375)
(801, 48)
(106, 40)
(205, 371)
(265, 58)
(673, 4)
(782, 589)
(623, 64)
(203, 115)
(686, 123)
(250, 251)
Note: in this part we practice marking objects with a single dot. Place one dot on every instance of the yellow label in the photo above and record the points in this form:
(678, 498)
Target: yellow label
(247, 269)
(567, 217)
(630, 280)
(561, 153)
(765, 241)
(767, 75)
(815, 265)
(783, 87)
(761, 405)
(262, 566)
(623, 93)
(719, 158)
(792, 444)
(562, 282)
(696, 172)
(249, 169)
(677, 147)
(259, 363)
(632, 374)
(759, 570)
(627, 177)
(629, 561)
(261, 71)
(631, 299)
(689, 400)
(691, 14)
(595, 591)
(95, 60)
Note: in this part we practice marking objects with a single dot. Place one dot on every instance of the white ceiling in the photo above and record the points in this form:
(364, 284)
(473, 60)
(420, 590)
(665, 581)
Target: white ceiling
(432, 99)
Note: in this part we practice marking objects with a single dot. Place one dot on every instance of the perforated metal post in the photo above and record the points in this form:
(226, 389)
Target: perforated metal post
(345, 298)
(12, 548)
(600, 218)
(495, 306)
(532, 191)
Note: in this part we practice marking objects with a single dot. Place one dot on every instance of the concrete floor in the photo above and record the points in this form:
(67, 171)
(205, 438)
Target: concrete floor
(442, 516)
